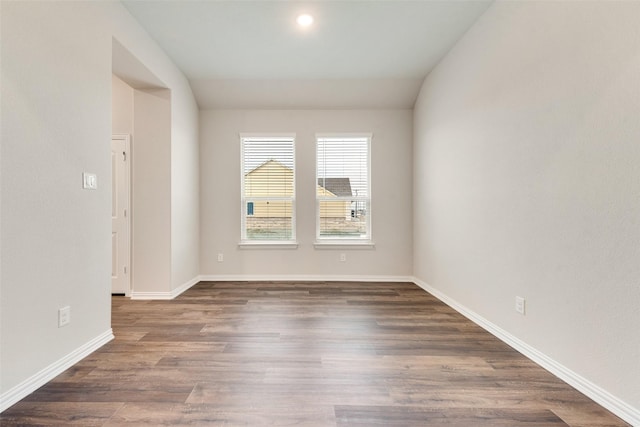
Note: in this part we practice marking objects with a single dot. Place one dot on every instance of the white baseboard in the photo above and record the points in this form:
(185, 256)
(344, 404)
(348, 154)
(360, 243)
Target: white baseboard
(151, 295)
(185, 286)
(25, 388)
(301, 278)
(591, 390)
(165, 295)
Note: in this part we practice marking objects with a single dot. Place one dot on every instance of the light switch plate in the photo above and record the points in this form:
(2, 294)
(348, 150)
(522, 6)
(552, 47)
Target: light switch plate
(89, 181)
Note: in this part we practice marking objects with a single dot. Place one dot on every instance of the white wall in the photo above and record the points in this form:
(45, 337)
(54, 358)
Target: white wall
(184, 234)
(391, 194)
(165, 206)
(56, 123)
(185, 188)
(121, 107)
(527, 182)
(151, 179)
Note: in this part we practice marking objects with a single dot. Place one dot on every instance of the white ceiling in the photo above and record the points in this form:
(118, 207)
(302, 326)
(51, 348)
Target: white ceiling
(357, 54)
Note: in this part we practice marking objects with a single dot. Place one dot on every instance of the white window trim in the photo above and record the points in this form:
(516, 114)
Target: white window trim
(332, 242)
(266, 244)
(248, 243)
(341, 244)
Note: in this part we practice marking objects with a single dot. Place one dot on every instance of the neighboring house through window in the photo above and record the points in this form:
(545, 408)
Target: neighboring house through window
(343, 194)
(268, 188)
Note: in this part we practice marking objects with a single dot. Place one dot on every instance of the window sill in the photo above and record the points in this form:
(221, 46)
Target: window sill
(341, 244)
(267, 245)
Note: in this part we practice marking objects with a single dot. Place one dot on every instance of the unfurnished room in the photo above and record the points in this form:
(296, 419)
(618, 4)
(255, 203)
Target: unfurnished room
(329, 213)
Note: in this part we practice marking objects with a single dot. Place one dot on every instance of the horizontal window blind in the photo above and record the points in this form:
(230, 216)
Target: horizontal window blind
(268, 188)
(343, 187)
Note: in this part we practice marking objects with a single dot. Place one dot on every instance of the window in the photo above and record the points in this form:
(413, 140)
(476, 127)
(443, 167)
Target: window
(343, 194)
(268, 189)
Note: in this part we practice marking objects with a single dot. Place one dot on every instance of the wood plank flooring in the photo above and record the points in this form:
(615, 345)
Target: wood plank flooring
(303, 354)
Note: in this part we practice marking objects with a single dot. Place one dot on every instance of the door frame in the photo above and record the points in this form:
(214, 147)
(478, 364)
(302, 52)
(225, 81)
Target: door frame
(126, 138)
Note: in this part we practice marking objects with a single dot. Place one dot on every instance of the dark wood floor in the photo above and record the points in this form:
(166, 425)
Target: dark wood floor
(303, 354)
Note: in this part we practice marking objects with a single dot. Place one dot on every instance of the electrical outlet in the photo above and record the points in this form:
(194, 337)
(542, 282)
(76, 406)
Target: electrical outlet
(220, 257)
(64, 316)
(343, 257)
(520, 305)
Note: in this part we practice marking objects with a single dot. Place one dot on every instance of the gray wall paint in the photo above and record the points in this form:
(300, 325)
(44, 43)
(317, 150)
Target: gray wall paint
(121, 107)
(527, 181)
(391, 188)
(151, 220)
(185, 187)
(56, 124)
(165, 213)
(55, 235)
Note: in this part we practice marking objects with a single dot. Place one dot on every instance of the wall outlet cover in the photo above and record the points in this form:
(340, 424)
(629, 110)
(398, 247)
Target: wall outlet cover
(64, 316)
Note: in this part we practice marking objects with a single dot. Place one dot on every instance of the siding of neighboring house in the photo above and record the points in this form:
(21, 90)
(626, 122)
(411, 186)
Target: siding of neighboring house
(333, 209)
(271, 179)
(335, 187)
(275, 180)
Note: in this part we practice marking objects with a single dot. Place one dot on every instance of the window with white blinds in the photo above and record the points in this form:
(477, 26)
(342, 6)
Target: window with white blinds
(268, 188)
(343, 192)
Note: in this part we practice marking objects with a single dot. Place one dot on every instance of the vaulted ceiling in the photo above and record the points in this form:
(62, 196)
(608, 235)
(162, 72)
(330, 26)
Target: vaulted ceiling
(356, 54)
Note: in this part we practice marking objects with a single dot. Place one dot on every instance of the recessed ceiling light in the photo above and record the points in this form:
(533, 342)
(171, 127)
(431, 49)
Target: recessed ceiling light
(304, 20)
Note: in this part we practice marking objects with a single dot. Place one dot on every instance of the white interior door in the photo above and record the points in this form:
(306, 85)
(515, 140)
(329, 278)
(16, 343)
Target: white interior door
(120, 215)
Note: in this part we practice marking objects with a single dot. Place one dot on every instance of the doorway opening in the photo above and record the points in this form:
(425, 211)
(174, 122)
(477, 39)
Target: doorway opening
(120, 215)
